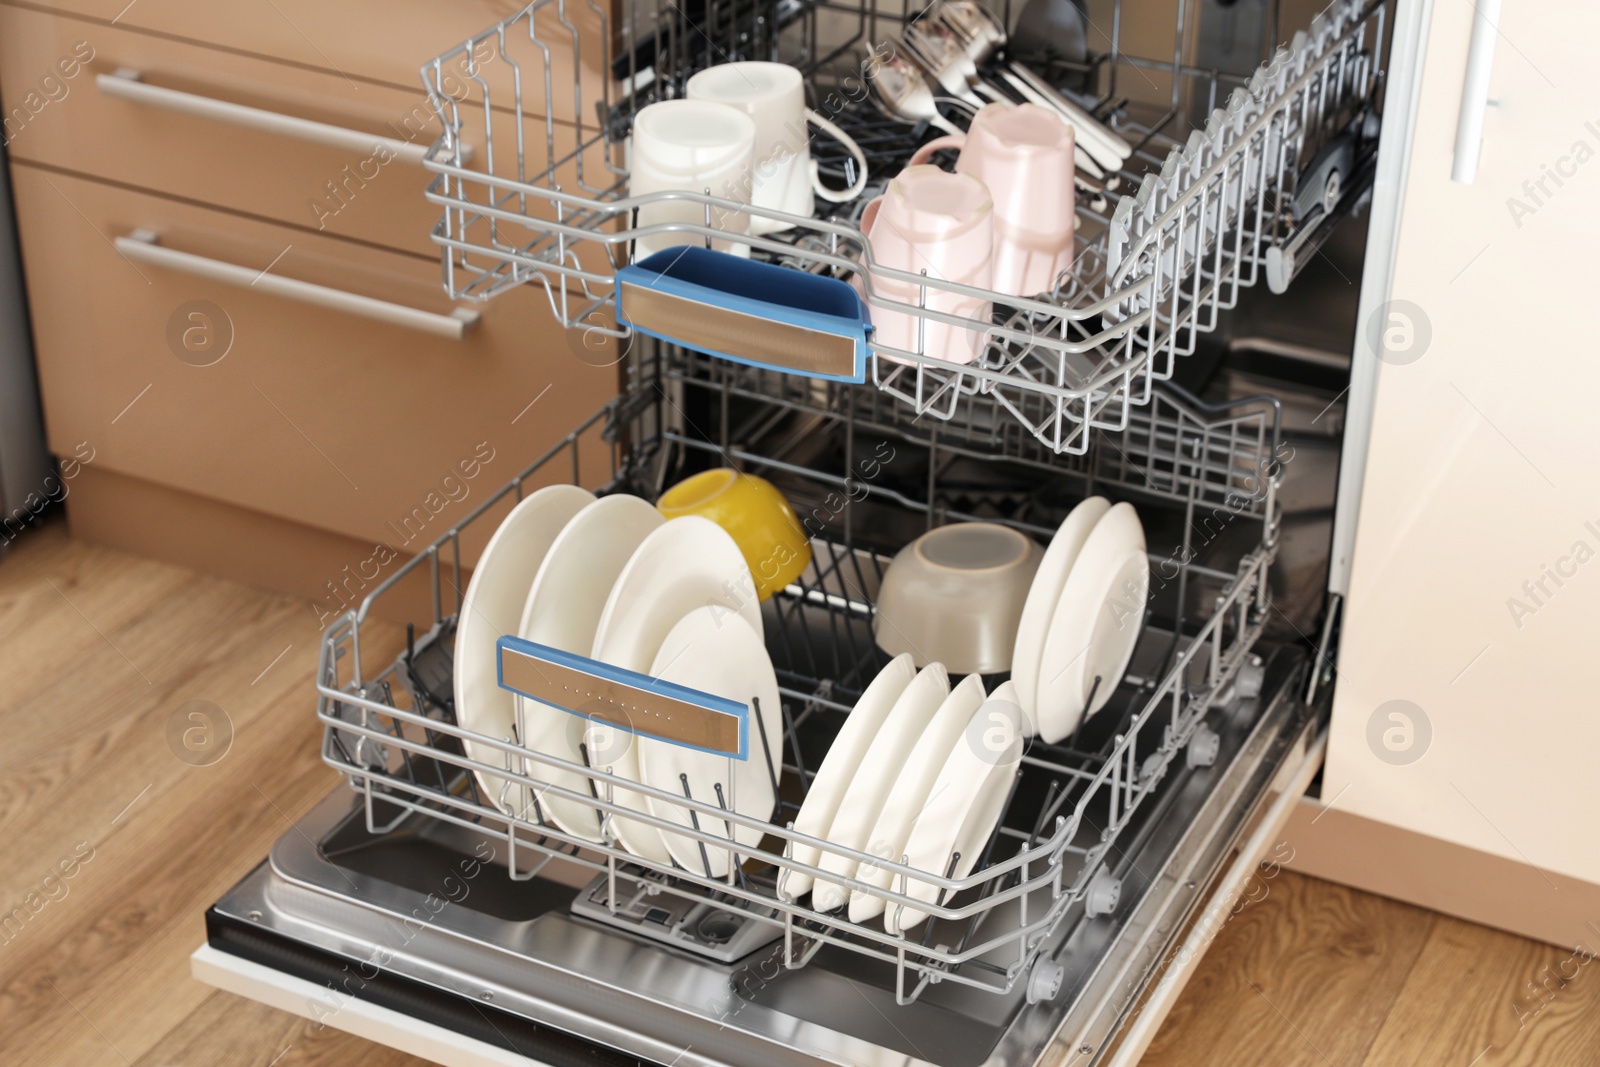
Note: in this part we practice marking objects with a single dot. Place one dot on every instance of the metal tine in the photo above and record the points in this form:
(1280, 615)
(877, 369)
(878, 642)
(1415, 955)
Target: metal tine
(994, 884)
(583, 750)
(694, 820)
(1044, 810)
(794, 746)
(766, 749)
(949, 872)
(735, 867)
(1048, 809)
(834, 622)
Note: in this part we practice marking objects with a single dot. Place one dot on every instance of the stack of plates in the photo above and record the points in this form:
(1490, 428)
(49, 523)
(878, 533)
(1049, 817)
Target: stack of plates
(1082, 617)
(918, 775)
(614, 580)
(921, 770)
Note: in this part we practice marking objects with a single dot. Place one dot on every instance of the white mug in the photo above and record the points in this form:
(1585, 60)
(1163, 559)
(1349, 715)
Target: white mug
(941, 225)
(699, 147)
(785, 175)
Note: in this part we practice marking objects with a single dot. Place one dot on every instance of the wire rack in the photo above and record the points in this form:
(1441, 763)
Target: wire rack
(1211, 190)
(390, 728)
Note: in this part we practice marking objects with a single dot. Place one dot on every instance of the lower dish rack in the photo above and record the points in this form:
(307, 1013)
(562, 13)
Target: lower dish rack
(1204, 479)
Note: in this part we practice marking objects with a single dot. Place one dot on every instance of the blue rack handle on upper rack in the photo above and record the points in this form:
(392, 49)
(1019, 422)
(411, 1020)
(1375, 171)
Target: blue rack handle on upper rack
(625, 699)
(747, 311)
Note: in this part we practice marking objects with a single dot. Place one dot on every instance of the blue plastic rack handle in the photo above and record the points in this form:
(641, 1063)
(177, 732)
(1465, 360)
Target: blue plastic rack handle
(748, 312)
(625, 699)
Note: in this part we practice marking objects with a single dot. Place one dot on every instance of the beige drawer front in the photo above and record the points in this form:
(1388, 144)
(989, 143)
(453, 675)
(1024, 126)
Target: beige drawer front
(347, 411)
(366, 42)
(251, 135)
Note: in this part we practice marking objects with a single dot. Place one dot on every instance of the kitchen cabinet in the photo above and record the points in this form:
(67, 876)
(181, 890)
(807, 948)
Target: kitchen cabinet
(288, 372)
(362, 43)
(321, 415)
(1463, 714)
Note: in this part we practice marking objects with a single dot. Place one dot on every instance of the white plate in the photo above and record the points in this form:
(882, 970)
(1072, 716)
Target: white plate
(1043, 596)
(1096, 623)
(687, 563)
(718, 654)
(858, 812)
(491, 608)
(826, 791)
(913, 788)
(563, 610)
(965, 803)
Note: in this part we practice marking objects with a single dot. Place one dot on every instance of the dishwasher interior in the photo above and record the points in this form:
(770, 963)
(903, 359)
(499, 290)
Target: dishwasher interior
(1161, 371)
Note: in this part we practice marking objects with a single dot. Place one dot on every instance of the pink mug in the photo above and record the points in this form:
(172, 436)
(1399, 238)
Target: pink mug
(1024, 154)
(931, 222)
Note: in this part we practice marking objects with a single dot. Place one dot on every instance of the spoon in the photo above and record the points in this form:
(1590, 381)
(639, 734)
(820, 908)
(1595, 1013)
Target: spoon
(903, 91)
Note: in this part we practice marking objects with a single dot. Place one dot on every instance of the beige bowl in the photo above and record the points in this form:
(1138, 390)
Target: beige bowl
(955, 596)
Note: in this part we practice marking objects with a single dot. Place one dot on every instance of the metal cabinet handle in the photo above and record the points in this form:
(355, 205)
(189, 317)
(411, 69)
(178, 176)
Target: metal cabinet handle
(1475, 90)
(125, 84)
(141, 247)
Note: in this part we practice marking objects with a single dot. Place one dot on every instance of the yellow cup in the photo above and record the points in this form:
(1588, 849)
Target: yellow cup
(756, 516)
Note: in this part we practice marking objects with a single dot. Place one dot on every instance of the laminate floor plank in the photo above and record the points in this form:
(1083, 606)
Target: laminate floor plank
(1490, 999)
(150, 839)
(1304, 975)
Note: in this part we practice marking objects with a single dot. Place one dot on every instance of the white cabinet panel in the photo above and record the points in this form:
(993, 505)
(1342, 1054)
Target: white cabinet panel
(1475, 588)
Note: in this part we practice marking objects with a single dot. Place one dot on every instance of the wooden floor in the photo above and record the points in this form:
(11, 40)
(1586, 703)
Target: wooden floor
(99, 649)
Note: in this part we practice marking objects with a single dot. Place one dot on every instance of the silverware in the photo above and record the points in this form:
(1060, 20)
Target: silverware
(980, 31)
(1106, 145)
(902, 90)
(936, 48)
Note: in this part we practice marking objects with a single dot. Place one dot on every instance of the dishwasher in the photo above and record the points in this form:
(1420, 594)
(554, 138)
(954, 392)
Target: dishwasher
(1165, 370)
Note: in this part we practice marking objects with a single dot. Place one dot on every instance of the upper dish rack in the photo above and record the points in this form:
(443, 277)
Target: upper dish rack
(1217, 192)
(1205, 479)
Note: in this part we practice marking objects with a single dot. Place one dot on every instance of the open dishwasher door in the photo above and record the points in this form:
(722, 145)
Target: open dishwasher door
(419, 940)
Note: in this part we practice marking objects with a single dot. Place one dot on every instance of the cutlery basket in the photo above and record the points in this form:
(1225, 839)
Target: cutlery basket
(531, 176)
(866, 481)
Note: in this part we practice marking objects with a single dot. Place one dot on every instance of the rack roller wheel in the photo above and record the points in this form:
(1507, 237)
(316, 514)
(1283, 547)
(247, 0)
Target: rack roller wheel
(1204, 746)
(1152, 768)
(1044, 981)
(1105, 890)
(1251, 676)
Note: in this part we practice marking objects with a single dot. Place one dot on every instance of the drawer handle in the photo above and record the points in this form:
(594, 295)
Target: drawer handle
(141, 246)
(125, 84)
